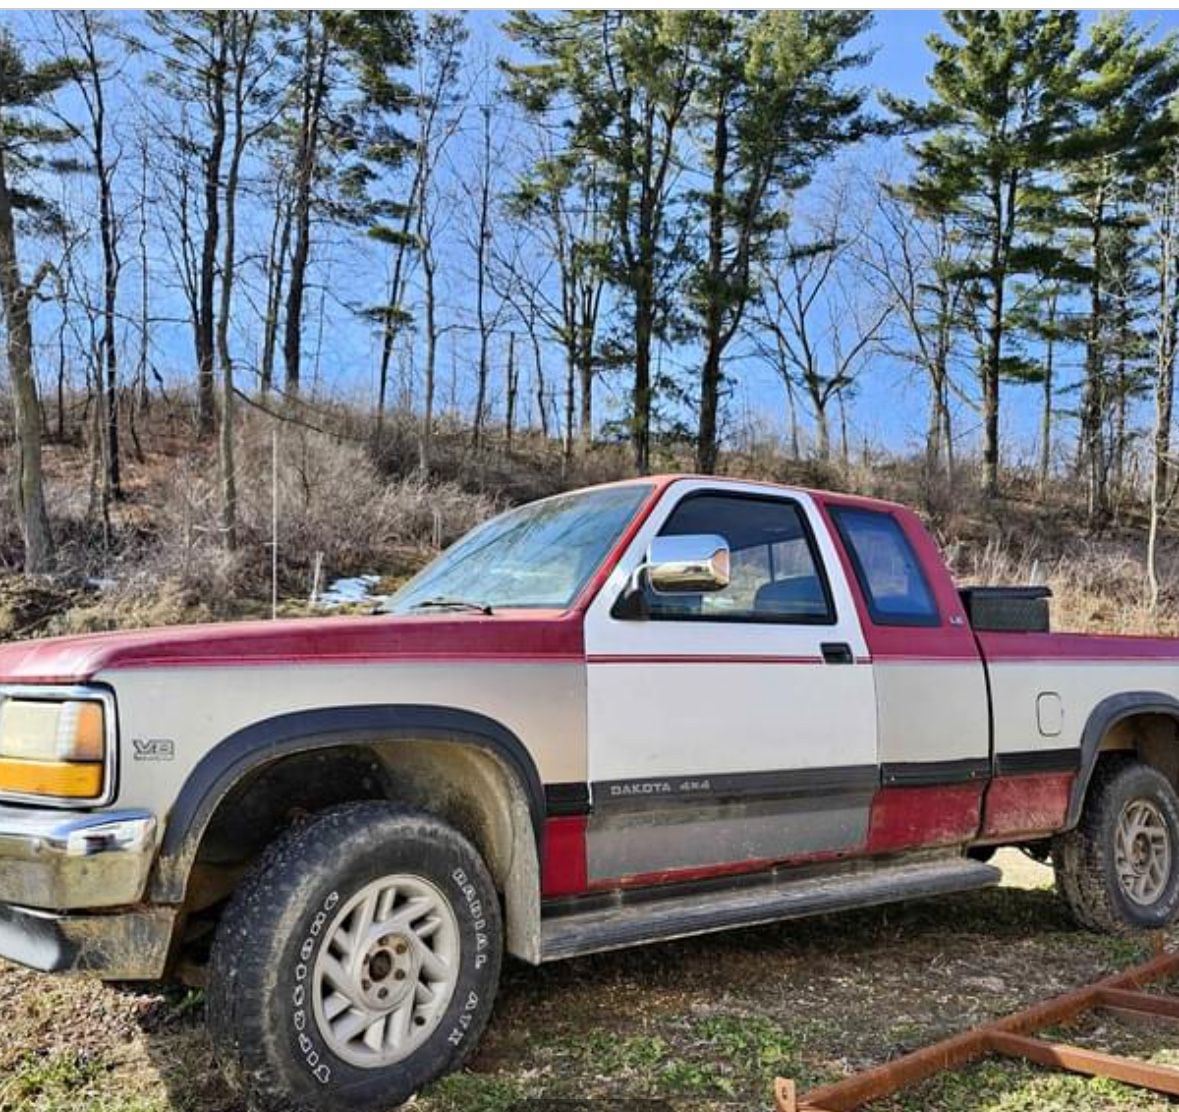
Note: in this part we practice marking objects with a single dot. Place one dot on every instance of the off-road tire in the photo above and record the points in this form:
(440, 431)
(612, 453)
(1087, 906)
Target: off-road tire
(264, 1029)
(1084, 858)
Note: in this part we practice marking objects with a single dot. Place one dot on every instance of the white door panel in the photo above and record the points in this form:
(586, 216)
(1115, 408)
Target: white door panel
(741, 696)
(655, 719)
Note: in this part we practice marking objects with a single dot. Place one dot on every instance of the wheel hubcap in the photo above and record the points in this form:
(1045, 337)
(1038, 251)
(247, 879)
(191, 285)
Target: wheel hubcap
(386, 971)
(1143, 852)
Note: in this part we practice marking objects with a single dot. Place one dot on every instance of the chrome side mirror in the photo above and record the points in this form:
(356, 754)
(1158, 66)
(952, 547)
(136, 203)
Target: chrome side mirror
(690, 564)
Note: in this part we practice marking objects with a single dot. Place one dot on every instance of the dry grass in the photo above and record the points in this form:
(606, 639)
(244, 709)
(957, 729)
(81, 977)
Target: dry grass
(704, 1023)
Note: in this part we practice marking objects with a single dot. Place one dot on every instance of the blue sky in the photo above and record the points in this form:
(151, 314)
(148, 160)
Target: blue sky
(889, 407)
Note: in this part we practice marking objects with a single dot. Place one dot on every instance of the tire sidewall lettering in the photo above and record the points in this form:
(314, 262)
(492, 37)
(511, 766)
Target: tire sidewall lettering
(302, 1022)
(471, 900)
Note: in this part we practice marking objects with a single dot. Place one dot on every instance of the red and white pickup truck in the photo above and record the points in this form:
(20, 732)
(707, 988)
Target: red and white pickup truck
(625, 714)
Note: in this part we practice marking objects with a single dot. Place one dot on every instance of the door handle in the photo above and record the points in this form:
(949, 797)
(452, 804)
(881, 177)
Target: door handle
(836, 652)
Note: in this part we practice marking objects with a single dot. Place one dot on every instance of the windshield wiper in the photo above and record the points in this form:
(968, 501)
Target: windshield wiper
(453, 604)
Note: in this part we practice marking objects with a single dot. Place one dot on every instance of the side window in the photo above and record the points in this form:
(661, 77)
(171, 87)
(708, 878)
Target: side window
(776, 575)
(887, 568)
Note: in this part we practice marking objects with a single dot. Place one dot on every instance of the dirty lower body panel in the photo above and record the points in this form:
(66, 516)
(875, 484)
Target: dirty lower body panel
(125, 945)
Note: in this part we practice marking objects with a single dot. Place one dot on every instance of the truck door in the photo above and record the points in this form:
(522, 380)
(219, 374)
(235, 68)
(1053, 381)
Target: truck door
(931, 690)
(732, 729)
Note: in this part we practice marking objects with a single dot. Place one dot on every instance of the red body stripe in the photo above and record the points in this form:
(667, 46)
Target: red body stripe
(909, 818)
(563, 871)
(1029, 648)
(507, 637)
(700, 658)
(1036, 803)
(706, 872)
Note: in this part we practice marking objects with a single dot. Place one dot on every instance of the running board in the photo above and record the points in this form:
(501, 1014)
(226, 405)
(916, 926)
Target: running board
(676, 916)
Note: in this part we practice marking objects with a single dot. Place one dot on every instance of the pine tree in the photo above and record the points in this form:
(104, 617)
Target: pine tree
(768, 107)
(1002, 88)
(624, 81)
(1125, 84)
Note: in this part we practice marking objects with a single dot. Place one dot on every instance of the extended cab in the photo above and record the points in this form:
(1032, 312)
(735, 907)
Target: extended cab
(629, 713)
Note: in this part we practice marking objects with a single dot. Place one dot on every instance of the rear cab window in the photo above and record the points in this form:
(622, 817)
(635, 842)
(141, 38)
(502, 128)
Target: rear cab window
(886, 567)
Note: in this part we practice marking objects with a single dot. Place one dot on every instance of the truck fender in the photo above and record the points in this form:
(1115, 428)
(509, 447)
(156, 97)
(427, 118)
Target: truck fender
(262, 742)
(1104, 716)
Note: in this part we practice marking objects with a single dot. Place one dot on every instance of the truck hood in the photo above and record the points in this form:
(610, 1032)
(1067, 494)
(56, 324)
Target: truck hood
(509, 635)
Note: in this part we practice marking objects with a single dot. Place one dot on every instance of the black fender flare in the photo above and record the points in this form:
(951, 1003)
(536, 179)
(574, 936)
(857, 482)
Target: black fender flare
(1102, 718)
(270, 739)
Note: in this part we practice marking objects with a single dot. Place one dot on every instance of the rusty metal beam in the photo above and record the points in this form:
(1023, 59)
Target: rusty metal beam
(1123, 1000)
(959, 1050)
(1092, 1063)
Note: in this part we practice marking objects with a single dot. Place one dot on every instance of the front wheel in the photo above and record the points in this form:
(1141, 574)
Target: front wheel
(357, 963)
(1118, 871)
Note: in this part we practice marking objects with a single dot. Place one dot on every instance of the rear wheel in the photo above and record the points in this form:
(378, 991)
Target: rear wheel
(357, 963)
(1118, 871)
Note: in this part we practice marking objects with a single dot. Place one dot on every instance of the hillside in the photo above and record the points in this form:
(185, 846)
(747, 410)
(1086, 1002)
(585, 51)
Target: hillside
(156, 558)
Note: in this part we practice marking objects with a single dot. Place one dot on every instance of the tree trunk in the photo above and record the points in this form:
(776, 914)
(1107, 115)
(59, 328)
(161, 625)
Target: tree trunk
(313, 93)
(392, 310)
(110, 266)
(424, 442)
(28, 480)
(206, 311)
(844, 449)
(484, 234)
(1164, 386)
(276, 264)
(1093, 403)
(641, 397)
(140, 401)
(1046, 414)
(539, 382)
(512, 385)
(990, 394)
(710, 373)
(822, 430)
(242, 29)
(933, 433)
(585, 374)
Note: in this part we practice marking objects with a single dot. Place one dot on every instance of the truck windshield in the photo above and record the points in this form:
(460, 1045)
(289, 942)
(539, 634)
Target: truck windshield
(539, 556)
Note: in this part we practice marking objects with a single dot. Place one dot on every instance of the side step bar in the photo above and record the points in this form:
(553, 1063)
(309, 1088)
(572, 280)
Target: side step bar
(677, 916)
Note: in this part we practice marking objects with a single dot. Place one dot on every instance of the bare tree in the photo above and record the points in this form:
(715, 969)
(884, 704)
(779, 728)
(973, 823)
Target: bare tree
(916, 263)
(247, 73)
(439, 117)
(823, 320)
(275, 265)
(80, 34)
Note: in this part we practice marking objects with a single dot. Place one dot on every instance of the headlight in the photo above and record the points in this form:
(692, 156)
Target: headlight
(53, 746)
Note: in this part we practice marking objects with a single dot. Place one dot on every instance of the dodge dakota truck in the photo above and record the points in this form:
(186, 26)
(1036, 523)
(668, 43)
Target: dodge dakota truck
(630, 713)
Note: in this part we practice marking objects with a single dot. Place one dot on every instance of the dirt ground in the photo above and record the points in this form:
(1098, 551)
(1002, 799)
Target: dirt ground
(700, 1024)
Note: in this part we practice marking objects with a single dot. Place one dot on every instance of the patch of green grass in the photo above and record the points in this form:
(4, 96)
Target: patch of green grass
(65, 1082)
(752, 1044)
(35, 1075)
(1122, 951)
(995, 1086)
(472, 1092)
(604, 1054)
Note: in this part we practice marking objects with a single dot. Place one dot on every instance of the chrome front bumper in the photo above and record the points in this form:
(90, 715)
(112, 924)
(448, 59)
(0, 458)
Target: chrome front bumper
(58, 871)
(59, 860)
